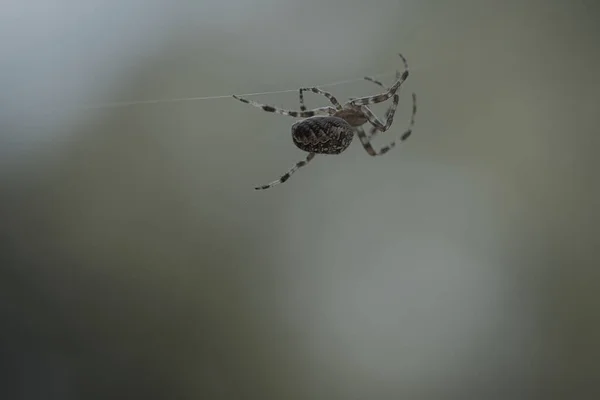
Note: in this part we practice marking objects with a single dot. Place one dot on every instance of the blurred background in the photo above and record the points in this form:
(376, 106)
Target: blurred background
(137, 261)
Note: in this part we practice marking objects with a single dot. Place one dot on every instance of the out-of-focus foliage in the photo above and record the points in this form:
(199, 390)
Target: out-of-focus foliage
(136, 260)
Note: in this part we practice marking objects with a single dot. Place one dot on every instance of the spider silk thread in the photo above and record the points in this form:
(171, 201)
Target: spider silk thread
(117, 104)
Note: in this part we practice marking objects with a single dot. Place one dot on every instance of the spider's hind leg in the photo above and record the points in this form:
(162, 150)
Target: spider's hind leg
(287, 175)
(297, 114)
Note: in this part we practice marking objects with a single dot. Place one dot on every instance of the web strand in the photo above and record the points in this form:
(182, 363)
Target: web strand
(183, 99)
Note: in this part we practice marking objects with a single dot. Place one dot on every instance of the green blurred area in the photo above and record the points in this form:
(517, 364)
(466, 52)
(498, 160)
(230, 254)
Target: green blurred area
(136, 261)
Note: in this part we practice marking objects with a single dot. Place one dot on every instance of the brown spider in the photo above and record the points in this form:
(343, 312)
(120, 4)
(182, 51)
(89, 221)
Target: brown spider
(332, 134)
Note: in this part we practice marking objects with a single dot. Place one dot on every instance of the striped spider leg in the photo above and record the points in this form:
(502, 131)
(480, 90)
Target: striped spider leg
(292, 113)
(316, 90)
(381, 97)
(376, 122)
(288, 174)
(365, 139)
(373, 130)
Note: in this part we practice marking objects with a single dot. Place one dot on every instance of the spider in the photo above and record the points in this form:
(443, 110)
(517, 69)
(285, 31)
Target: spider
(333, 133)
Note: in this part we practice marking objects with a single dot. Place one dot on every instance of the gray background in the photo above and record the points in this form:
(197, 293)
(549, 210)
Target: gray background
(136, 260)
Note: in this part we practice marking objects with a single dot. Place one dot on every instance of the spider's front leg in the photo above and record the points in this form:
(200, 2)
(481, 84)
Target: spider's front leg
(366, 140)
(378, 98)
(316, 90)
(372, 118)
(287, 175)
(374, 130)
(297, 114)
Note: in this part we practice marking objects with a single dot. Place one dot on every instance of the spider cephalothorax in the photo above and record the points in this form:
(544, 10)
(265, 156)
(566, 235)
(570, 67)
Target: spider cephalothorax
(333, 133)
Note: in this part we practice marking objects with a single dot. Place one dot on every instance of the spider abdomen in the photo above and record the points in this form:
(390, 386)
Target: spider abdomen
(322, 135)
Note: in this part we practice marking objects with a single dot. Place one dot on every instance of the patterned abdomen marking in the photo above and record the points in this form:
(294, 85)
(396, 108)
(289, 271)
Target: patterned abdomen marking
(322, 135)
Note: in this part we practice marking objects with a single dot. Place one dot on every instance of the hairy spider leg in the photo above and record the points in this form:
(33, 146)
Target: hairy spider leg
(375, 81)
(287, 175)
(373, 120)
(297, 114)
(316, 90)
(366, 140)
(373, 130)
(378, 98)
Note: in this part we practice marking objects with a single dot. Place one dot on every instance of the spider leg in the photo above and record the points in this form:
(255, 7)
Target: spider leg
(372, 118)
(298, 114)
(316, 90)
(378, 98)
(287, 175)
(301, 95)
(374, 130)
(375, 81)
(366, 140)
